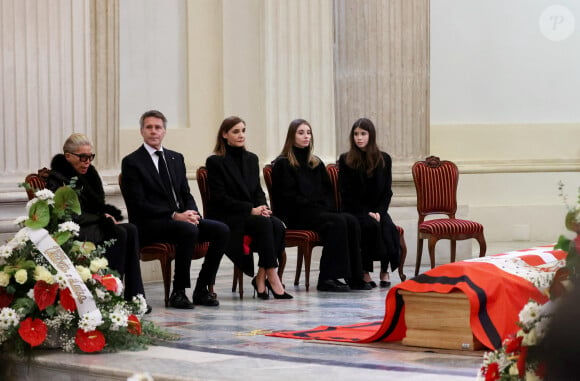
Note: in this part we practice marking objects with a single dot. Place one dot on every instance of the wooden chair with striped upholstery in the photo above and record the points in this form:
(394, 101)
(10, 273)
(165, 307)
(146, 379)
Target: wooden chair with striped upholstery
(436, 185)
(332, 170)
(303, 240)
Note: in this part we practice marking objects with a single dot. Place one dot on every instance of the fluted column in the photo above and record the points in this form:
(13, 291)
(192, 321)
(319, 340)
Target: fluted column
(58, 75)
(299, 71)
(382, 72)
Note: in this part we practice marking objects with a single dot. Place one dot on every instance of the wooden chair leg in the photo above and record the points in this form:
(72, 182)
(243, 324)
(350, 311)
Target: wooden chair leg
(431, 245)
(482, 245)
(282, 265)
(299, 258)
(419, 255)
(453, 246)
(307, 261)
(235, 279)
(403, 257)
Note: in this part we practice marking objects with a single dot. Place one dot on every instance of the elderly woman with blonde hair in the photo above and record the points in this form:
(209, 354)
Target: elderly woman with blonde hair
(98, 220)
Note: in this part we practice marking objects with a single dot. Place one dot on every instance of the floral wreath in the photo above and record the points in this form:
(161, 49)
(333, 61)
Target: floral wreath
(56, 291)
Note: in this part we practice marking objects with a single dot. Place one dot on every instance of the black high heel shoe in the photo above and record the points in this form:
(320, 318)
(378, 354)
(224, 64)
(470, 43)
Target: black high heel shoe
(262, 295)
(285, 295)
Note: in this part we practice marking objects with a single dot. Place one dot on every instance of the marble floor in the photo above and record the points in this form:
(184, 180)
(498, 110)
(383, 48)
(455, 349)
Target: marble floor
(228, 342)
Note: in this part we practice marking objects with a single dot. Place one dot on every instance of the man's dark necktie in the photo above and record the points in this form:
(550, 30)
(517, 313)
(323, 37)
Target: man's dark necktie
(166, 178)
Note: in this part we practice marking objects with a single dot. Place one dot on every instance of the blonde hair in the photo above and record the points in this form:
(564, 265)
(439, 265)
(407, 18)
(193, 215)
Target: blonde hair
(75, 141)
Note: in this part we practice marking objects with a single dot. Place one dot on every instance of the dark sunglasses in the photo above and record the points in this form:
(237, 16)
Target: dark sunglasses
(84, 157)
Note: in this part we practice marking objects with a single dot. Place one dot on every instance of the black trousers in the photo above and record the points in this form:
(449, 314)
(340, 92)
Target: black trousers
(267, 239)
(380, 241)
(341, 255)
(123, 257)
(185, 235)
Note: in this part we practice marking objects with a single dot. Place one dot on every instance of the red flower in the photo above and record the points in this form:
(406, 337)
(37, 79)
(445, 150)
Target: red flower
(67, 301)
(93, 341)
(247, 243)
(513, 344)
(492, 373)
(134, 326)
(32, 331)
(108, 281)
(5, 298)
(522, 361)
(45, 294)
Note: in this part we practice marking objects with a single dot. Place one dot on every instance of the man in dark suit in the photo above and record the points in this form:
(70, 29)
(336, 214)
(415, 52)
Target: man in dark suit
(160, 203)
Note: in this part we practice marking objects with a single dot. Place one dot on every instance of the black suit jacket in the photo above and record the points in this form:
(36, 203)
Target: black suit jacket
(233, 194)
(143, 190)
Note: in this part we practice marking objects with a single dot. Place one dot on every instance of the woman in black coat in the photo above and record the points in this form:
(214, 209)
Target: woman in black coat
(365, 180)
(98, 221)
(237, 199)
(305, 200)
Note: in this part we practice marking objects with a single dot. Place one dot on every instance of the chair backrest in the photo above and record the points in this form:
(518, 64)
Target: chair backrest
(267, 171)
(436, 186)
(332, 170)
(201, 176)
(37, 181)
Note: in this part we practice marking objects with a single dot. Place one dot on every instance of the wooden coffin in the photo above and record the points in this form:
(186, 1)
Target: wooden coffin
(437, 320)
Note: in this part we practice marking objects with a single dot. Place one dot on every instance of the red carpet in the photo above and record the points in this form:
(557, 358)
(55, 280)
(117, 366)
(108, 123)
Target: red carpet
(497, 287)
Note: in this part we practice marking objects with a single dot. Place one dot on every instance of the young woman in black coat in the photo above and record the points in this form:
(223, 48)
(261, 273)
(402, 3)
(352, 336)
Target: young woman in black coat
(365, 186)
(98, 221)
(237, 199)
(305, 200)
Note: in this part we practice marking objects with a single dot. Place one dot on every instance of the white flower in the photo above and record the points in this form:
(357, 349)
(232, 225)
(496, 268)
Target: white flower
(530, 313)
(140, 301)
(513, 371)
(98, 264)
(83, 272)
(21, 276)
(4, 279)
(530, 338)
(30, 293)
(8, 318)
(60, 278)
(100, 294)
(41, 273)
(89, 322)
(119, 318)
(120, 286)
(44, 194)
(5, 251)
(20, 220)
(69, 226)
(20, 238)
(532, 376)
(140, 377)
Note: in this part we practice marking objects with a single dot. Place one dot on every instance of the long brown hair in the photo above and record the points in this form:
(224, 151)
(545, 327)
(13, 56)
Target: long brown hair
(287, 151)
(354, 157)
(227, 124)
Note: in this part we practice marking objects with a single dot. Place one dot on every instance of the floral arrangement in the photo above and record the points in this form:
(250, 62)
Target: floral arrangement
(63, 294)
(518, 358)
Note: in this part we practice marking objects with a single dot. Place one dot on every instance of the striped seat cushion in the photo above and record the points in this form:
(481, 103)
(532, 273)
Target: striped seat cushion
(450, 226)
(302, 235)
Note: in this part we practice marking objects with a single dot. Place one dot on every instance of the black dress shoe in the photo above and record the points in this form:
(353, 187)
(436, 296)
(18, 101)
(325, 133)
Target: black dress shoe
(149, 309)
(205, 298)
(332, 285)
(359, 284)
(385, 283)
(178, 299)
(373, 284)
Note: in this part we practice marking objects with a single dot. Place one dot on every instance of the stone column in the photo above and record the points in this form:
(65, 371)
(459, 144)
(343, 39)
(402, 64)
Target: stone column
(382, 72)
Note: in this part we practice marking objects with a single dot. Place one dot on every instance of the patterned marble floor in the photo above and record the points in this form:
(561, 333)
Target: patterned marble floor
(228, 342)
